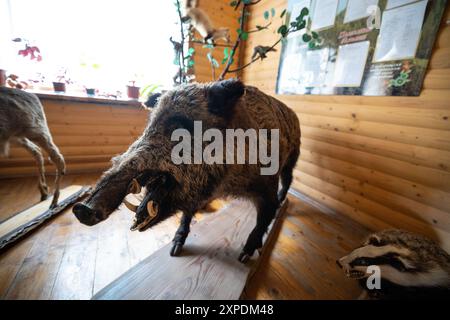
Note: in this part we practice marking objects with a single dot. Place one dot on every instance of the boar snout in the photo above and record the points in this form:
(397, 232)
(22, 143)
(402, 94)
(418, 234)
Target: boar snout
(86, 215)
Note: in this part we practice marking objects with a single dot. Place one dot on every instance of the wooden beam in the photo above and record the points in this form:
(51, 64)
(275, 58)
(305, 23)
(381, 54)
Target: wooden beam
(27, 220)
(208, 267)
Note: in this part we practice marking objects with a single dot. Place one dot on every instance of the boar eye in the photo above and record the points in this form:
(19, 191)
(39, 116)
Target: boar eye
(179, 122)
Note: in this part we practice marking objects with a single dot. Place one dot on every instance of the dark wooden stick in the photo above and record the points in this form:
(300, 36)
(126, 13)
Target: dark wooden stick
(182, 73)
(236, 44)
(254, 59)
(20, 230)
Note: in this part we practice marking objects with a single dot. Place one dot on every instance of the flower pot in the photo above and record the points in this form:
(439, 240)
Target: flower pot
(133, 92)
(90, 92)
(2, 78)
(59, 86)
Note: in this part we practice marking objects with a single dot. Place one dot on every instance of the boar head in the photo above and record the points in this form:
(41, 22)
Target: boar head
(149, 158)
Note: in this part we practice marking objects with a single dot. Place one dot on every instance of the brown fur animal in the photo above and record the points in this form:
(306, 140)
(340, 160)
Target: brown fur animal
(201, 22)
(22, 120)
(188, 187)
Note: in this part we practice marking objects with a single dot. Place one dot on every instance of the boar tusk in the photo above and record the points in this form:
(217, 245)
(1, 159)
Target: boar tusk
(130, 206)
(135, 225)
(151, 210)
(134, 187)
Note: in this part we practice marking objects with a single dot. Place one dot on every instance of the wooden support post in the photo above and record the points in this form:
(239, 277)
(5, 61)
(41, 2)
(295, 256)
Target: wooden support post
(208, 267)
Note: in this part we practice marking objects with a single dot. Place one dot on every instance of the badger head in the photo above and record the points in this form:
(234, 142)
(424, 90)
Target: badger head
(404, 259)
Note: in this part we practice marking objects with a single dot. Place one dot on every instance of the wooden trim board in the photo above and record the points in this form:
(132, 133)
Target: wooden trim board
(208, 268)
(25, 221)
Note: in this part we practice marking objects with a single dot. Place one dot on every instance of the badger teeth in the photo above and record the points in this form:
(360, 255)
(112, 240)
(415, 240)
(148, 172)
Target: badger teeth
(355, 274)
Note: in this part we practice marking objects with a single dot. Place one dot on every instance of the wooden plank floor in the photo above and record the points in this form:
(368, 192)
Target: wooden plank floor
(66, 260)
(207, 268)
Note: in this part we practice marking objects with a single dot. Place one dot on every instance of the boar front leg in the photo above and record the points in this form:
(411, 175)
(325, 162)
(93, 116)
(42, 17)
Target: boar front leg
(181, 234)
(266, 205)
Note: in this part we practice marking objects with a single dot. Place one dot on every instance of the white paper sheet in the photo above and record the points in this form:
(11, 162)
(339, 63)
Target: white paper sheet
(397, 3)
(350, 64)
(324, 14)
(314, 68)
(400, 32)
(358, 9)
(291, 71)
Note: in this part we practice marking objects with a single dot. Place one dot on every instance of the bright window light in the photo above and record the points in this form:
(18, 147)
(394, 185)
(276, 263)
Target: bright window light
(103, 44)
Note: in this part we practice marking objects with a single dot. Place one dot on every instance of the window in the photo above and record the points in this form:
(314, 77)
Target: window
(103, 44)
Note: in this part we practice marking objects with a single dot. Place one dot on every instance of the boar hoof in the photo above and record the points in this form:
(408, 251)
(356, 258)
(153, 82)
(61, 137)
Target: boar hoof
(176, 249)
(244, 257)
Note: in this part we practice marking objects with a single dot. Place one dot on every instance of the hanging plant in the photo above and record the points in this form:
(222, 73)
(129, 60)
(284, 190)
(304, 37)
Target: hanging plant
(260, 51)
(33, 52)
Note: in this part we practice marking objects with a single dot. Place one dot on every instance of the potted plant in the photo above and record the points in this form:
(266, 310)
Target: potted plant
(32, 51)
(90, 91)
(61, 80)
(133, 90)
(13, 81)
(90, 75)
(149, 90)
(27, 51)
(2, 77)
(149, 95)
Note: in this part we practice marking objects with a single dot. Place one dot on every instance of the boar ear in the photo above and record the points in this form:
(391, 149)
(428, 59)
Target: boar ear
(223, 96)
(152, 100)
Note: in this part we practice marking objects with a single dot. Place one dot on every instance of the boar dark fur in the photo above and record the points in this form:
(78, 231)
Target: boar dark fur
(223, 105)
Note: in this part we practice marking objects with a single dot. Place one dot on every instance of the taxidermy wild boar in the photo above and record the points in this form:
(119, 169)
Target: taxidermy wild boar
(169, 187)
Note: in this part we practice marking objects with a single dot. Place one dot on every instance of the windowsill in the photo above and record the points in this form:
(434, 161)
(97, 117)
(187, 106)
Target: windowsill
(72, 97)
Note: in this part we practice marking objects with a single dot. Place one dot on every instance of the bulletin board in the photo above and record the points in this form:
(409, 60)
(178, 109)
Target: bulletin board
(354, 53)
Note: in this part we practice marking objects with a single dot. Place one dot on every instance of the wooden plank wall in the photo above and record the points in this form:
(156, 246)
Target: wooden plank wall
(221, 15)
(383, 161)
(88, 135)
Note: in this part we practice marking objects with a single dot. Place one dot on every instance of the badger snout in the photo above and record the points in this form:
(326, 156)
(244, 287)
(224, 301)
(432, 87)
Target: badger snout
(86, 215)
(350, 269)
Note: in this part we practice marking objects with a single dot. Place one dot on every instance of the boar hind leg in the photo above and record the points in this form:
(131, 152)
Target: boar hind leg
(267, 206)
(286, 175)
(181, 234)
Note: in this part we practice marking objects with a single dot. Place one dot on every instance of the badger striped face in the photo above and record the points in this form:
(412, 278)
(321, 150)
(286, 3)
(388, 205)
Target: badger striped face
(398, 264)
(374, 253)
